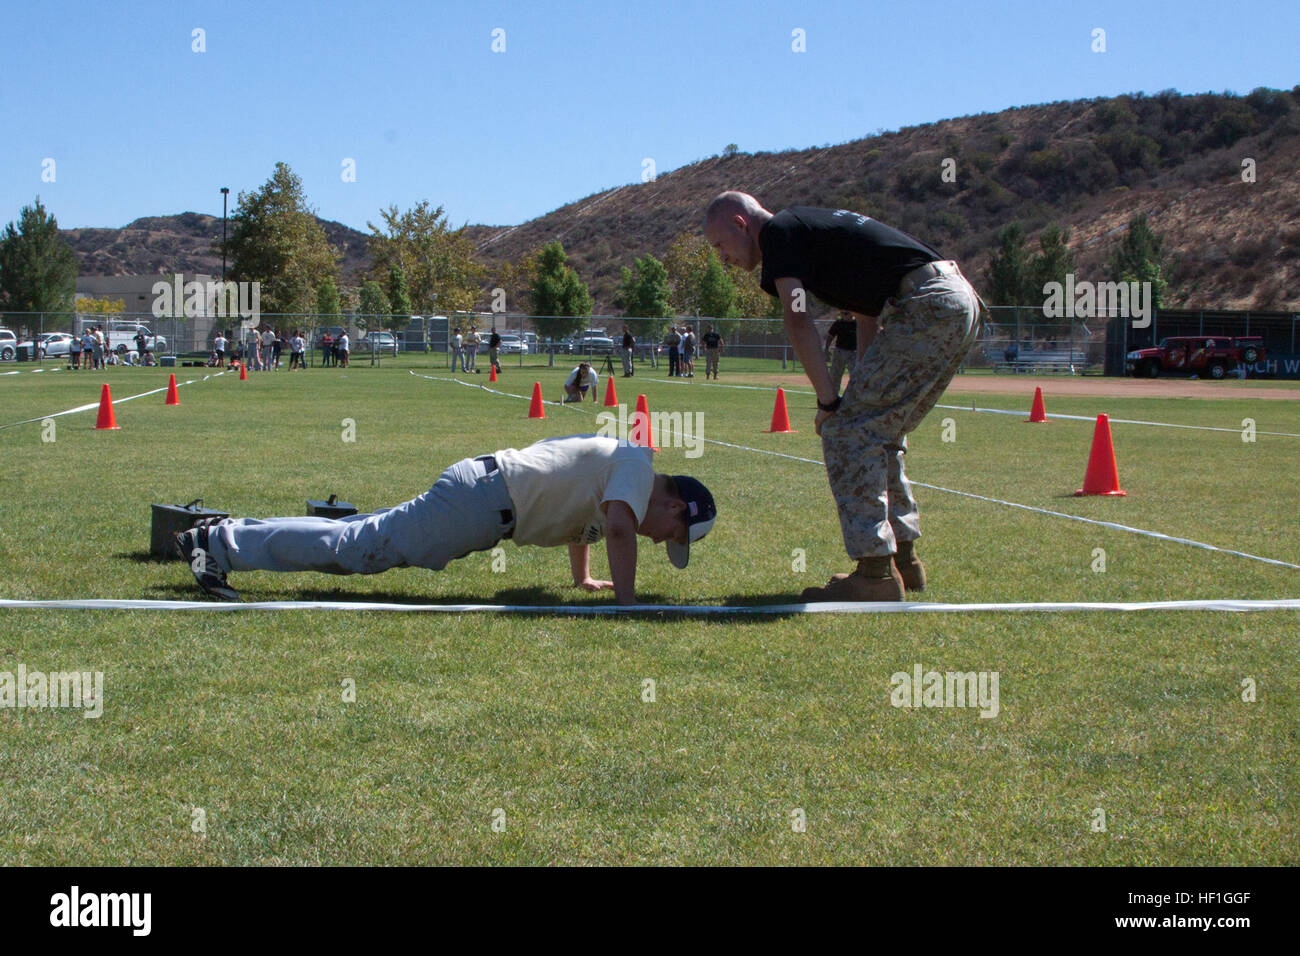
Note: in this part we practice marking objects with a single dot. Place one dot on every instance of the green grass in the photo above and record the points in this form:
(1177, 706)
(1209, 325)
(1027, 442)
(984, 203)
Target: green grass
(456, 715)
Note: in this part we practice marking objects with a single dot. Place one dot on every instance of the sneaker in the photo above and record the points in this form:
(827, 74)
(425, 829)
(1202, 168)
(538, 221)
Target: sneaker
(192, 548)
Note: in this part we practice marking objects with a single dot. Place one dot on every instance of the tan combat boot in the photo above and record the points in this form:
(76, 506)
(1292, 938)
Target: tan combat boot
(909, 566)
(874, 580)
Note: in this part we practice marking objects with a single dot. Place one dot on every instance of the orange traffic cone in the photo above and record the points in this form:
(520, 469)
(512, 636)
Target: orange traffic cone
(172, 397)
(1039, 412)
(106, 418)
(1103, 474)
(492, 376)
(243, 372)
(780, 415)
(642, 432)
(611, 394)
(535, 410)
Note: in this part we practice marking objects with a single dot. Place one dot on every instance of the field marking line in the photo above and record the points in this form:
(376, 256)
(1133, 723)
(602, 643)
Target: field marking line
(1022, 412)
(116, 401)
(1112, 525)
(689, 610)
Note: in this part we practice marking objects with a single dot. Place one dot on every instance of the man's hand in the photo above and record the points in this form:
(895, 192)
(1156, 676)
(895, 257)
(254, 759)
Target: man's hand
(820, 420)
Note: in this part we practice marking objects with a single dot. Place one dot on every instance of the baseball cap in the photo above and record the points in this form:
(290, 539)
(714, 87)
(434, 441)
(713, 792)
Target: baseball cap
(700, 512)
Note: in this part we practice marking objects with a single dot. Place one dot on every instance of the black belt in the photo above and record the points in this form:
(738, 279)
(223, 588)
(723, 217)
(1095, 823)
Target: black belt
(507, 516)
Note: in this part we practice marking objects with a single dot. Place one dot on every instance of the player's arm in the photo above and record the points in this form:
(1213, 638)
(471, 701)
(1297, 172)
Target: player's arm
(580, 565)
(801, 332)
(620, 546)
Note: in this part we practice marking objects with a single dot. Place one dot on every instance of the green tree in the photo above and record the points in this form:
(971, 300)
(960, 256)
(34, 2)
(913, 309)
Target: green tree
(374, 302)
(277, 240)
(1140, 258)
(399, 302)
(561, 301)
(686, 260)
(439, 261)
(105, 306)
(1053, 262)
(718, 294)
(327, 297)
(1007, 277)
(38, 269)
(643, 295)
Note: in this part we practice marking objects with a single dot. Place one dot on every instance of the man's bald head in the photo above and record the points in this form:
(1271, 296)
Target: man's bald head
(732, 223)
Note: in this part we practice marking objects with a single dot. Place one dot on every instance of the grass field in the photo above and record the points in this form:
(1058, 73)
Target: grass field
(544, 718)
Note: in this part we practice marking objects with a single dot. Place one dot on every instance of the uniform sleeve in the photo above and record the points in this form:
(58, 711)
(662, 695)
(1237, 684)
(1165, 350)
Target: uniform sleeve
(631, 480)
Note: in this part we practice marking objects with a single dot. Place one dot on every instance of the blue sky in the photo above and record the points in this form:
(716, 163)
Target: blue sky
(139, 124)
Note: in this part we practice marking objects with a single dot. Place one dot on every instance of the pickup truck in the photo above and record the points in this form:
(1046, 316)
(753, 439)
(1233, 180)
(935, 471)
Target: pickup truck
(121, 338)
(1212, 356)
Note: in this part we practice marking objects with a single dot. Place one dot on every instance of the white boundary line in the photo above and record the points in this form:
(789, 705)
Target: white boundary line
(116, 401)
(691, 610)
(1019, 412)
(1114, 526)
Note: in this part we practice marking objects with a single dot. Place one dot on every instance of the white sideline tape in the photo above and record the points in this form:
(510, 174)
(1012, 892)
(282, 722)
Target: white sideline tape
(1012, 411)
(33, 371)
(1114, 526)
(689, 610)
(116, 401)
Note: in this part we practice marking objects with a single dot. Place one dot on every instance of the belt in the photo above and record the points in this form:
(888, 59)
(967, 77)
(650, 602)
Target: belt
(507, 516)
(914, 279)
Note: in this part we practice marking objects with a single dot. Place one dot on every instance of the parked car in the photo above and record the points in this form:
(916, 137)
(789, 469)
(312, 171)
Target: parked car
(8, 345)
(52, 344)
(512, 344)
(379, 341)
(1209, 355)
(591, 342)
(121, 338)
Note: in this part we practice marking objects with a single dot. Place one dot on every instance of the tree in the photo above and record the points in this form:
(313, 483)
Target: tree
(561, 300)
(327, 297)
(277, 240)
(89, 306)
(517, 280)
(1007, 276)
(686, 260)
(643, 294)
(398, 301)
(38, 269)
(374, 302)
(718, 294)
(1140, 258)
(436, 259)
(1055, 260)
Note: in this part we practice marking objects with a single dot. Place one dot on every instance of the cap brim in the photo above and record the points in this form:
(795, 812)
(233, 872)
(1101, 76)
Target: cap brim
(679, 554)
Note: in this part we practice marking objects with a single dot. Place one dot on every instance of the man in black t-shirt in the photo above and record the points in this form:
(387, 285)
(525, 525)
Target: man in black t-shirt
(844, 333)
(712, 344)
(629, 347)
(917, 318)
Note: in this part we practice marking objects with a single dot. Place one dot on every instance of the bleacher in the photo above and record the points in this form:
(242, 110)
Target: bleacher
(1072, 361)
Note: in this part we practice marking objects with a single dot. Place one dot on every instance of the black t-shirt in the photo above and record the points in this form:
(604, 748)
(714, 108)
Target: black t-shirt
(849, 261)
(712, 340)
(628, 341)
(845, 334)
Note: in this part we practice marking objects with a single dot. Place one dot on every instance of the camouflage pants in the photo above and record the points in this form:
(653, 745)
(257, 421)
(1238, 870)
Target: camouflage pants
(925, 335)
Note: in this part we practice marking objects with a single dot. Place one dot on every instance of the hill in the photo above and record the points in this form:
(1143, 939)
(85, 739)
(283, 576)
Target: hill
(1089, 165)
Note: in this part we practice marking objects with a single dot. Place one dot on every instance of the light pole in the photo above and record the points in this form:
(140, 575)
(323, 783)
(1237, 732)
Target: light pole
(225, 191)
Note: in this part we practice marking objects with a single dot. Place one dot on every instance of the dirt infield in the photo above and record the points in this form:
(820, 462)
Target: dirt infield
(1096, 386)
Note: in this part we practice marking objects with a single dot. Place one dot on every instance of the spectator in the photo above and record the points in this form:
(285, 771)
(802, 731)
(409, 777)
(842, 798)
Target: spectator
(712, 345)
(297, 351)
(688, 351)
(580, 379)
(672, 341)
(219, 350)
(327, 349)
(139, 341)
(267, 343)
(341, 349)
(97, 345)
(470, 344)
(74, 352)
(629, 350)
(494, 350)
(147, 358)
(457, 350)
(276, 348)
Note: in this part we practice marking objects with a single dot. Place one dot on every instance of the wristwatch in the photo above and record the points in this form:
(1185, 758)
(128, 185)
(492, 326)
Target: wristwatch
(831, 406)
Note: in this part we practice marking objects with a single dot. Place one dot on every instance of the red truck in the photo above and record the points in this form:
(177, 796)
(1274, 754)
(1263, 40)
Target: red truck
(1211, 356)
